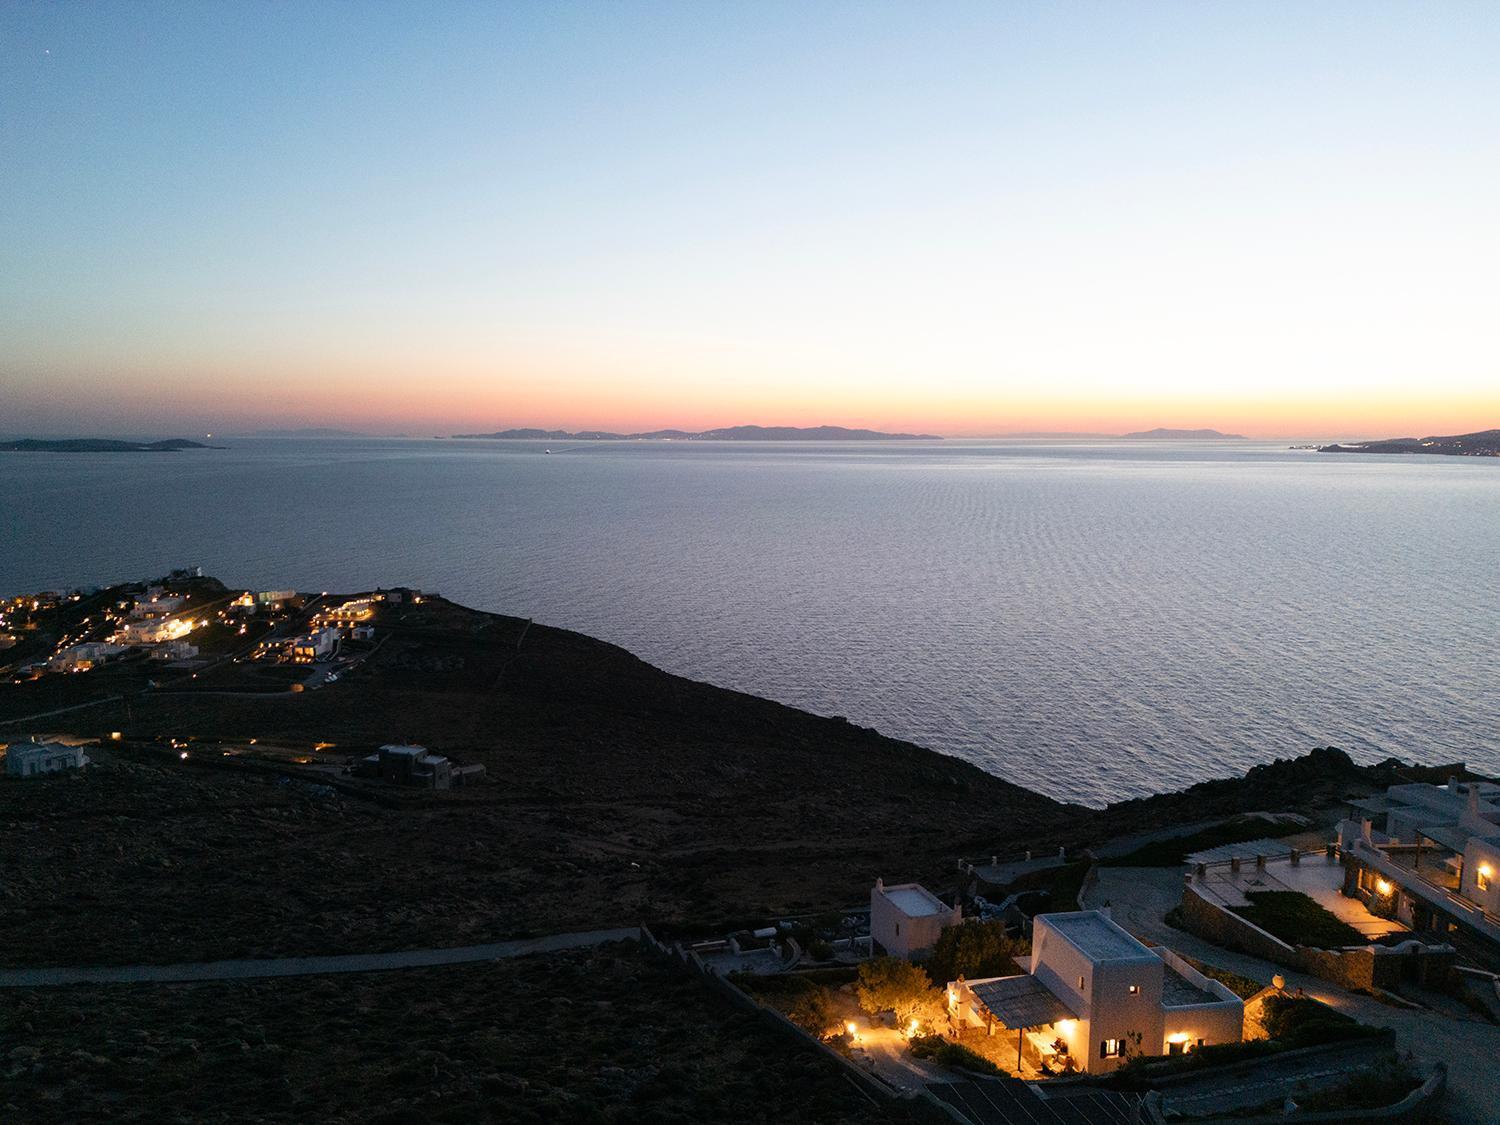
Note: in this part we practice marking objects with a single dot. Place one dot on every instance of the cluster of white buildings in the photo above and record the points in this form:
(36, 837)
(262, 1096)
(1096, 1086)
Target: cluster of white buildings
(1091, 997)
(1427, 855)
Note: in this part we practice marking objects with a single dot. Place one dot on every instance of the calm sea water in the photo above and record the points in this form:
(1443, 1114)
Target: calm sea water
(1093, 620)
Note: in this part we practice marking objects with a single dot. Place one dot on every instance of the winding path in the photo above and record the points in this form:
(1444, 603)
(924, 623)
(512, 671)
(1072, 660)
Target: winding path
(306, 966)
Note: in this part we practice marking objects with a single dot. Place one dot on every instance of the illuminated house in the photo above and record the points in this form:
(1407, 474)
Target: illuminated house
(153, 631)
(1095, 996)
(906, 918)
(255, 600)
(320, 643)
(1427, 856)
(82, 657)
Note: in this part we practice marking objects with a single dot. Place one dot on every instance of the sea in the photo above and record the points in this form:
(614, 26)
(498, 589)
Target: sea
(1094, 620)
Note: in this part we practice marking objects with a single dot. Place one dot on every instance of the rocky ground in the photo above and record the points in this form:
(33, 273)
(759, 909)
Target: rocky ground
(590, 1036)
(614, 794)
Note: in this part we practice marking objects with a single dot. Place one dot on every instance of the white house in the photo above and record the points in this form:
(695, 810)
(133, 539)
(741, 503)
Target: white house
(154, 630)
(906, 918)
(82, 657)
(30, 759)
(319, 643)
(1427, 855)
(1095, 996)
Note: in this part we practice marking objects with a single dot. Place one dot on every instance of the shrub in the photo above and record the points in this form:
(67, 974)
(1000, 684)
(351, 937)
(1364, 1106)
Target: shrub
(890, 984)
(1242, 986)
(814, 1012)
(1298, 920)
(945, 1052)
(973, 949)
(1301, 1021)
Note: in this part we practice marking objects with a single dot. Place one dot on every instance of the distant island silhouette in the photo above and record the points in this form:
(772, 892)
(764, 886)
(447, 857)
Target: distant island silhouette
(1161, 434)
(99, 445)
(1482, 443)
(731, 433)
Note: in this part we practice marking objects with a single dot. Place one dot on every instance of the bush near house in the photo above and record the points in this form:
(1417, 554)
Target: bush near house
(974, 950)
(1242, 986)
(806, 1002)
(945, 1052)
(1298, 920)
(1301, 1021)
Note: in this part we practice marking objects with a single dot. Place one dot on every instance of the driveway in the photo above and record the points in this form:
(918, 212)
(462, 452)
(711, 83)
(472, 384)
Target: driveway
(1139, 896)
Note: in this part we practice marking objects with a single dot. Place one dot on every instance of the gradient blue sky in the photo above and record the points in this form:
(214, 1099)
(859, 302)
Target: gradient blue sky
(1274, 218)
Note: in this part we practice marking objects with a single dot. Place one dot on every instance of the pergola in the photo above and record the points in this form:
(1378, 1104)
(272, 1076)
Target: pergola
(1021, 1003)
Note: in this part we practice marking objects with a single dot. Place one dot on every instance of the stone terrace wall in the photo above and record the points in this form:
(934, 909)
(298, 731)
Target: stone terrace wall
(1224, 927)
(1363, 968)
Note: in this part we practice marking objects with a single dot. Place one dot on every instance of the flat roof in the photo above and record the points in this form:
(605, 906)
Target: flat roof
(1179, 992)
(1096, 937)
(915, 900)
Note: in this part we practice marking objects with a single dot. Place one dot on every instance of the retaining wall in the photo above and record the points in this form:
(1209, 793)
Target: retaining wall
(1362, 968)
(1423, 1096)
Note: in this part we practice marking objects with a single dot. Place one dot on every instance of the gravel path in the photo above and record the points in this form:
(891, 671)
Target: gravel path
(306, 966)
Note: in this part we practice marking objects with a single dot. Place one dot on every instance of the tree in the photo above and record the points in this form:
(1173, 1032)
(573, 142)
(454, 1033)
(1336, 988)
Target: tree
(815, 1012)
(891, 984)
(974, 949)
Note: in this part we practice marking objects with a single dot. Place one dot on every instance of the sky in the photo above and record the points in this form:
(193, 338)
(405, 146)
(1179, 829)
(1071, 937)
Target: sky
(966, 219)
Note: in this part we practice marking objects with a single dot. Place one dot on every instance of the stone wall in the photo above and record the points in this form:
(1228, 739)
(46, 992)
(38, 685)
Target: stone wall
(1363, 968)
(1224, 927)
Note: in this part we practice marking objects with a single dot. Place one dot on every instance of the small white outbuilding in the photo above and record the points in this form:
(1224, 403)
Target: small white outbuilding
(906, 918)
(31, 759)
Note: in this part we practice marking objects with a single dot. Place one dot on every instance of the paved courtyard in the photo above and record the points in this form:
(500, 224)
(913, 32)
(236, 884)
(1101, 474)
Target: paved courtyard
(1314, 877)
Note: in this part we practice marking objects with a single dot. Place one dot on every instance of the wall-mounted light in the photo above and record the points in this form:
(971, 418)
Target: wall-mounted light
(1382, 886)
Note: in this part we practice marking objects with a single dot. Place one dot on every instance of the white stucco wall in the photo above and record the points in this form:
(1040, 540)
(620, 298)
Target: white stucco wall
(902, 935)
(1212, 1023)
(1481, 854)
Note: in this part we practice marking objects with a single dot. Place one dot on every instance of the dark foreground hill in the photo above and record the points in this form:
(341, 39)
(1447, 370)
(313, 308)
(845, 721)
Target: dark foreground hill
(614, 793)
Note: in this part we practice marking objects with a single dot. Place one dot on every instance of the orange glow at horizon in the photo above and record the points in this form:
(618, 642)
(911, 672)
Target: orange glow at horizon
(466, 400)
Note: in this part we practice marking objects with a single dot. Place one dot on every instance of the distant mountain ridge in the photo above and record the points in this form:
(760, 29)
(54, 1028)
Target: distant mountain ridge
(99, 445)
(730, 433)
(1481, 443)
(1163, 434)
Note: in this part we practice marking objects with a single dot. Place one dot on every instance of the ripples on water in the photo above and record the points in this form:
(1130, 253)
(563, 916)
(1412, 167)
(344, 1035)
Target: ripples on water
(1094, 621)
